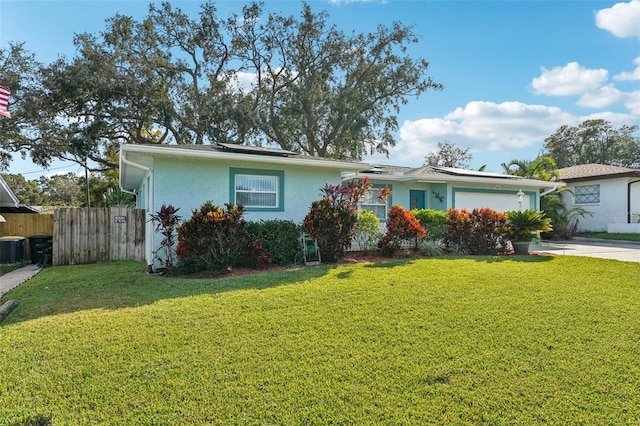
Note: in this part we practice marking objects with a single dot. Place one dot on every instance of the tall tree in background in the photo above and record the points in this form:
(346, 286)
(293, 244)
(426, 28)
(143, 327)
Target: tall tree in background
(170, 78)
(542, 168)
(448, 155)
(320, 91)
(594, 141)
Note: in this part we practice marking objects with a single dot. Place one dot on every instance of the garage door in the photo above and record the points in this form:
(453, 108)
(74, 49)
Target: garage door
(498, 202)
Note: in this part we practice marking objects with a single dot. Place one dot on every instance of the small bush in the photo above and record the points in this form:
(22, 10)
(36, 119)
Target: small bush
(367, 231)
(430, 248)
(216, 239)
(433, 222)
(481, 231)
(402, 227)
(166, 220)
(280, 238)
(332, 219)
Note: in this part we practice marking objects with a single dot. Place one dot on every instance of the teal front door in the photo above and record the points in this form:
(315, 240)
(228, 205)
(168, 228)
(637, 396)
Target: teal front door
(416, 199)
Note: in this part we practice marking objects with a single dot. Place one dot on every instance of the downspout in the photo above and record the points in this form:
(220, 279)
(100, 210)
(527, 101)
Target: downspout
(549, 191)
(629, 200)
(132, 164)
(148, 255)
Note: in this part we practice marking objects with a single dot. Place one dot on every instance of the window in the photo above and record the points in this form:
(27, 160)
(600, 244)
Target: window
(587, 194)
(257, 189)
(378, 207)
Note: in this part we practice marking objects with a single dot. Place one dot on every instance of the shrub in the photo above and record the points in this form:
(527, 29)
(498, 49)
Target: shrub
(430, 248)
(166, 220)
(367, 231)
(433, 222)
(280, 238)
(402, 226)
(481, 231)
(216, 239)
(332, 219)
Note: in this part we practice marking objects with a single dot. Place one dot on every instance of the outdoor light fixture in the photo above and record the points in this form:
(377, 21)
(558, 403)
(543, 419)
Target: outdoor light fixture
(520, 195)
(2, 219)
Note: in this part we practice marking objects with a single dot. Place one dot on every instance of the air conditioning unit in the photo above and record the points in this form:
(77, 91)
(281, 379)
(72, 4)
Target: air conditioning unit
(11, 249)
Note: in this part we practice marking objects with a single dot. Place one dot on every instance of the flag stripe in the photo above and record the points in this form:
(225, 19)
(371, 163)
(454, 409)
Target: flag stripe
(4, 101)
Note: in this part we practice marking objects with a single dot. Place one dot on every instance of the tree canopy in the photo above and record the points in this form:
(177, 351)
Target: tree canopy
(253, 78)
(594, 141)
(448, 155)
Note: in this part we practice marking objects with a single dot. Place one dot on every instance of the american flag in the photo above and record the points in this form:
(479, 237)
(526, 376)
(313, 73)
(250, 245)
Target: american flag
(4, 101)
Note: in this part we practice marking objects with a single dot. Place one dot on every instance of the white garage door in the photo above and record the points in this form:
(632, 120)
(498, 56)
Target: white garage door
(498, 202)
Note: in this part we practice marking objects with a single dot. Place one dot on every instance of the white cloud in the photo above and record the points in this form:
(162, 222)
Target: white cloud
(630, 76)
(621, 20)
(602, 97)
(480, 126)
(633, 103)
(572, 79)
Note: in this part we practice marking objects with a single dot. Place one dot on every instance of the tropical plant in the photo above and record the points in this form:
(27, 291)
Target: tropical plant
(433, 222)
(481, 231)
(527, 224)
(542, 168)
(280, 238)
(216, 239)
(332, 219)
(367, 231)
(402, 227)
(166, 220)
(563, 220)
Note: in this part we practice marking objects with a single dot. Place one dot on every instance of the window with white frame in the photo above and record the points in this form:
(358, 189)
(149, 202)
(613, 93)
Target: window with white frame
(375, 205)
(257, 189)
(587, 194)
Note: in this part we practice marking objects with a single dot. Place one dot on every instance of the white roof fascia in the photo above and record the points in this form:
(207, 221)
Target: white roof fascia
(333, 164)
(515, 182)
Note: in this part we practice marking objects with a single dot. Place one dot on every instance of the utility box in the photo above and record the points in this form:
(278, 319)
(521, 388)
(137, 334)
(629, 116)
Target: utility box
(40, 246)
(11, 249)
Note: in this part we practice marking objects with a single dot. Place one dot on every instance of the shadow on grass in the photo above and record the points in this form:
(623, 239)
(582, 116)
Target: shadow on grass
(67, 289)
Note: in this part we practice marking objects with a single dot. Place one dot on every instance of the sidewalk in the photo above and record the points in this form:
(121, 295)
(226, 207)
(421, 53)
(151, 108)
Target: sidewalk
(604, 249)
(13, 279)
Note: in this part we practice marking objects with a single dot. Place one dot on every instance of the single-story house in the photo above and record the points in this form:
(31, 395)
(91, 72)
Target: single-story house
(611, 194)
(278, 184)
(9, 203)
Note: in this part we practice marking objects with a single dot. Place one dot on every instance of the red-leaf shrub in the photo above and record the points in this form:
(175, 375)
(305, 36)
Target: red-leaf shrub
(166, 220)
(217, 239)
(332, 219)
(402, 226)
(481, 231)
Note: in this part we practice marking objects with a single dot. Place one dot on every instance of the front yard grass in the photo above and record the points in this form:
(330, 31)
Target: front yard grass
(493, 340)
(607, 236)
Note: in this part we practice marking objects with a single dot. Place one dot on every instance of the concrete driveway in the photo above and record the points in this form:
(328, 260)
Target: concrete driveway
(604, 249)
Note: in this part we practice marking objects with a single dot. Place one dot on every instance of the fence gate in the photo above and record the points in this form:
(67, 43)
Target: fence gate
(90, 235)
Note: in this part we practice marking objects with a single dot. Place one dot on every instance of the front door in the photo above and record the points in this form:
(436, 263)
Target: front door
(416, 199)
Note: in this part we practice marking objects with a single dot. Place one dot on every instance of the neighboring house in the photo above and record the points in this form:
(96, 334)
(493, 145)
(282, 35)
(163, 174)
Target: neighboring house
(9, 203)
(278, 184)
(610, 193)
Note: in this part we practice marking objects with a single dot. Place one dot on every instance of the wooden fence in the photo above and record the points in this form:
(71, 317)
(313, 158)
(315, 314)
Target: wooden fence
(26, 225)
(89, 235)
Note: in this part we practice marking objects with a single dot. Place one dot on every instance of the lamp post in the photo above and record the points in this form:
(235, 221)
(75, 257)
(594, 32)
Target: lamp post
(520, 195)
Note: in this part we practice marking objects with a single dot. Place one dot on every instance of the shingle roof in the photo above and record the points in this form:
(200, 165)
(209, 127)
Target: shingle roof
(584, 171)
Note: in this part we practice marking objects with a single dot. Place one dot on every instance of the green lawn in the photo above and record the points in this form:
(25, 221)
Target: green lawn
(608, 236)
(504, 340)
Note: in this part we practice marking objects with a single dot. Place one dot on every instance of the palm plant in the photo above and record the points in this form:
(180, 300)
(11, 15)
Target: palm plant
(526, 224)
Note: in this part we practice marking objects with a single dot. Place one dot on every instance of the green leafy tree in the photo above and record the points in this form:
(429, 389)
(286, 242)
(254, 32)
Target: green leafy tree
(594, 141)
(321, 91)
(542, 168)
(27, 191)
(448, 155)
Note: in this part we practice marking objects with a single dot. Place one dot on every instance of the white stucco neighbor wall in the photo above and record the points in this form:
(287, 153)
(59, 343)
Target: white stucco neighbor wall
(612, 207)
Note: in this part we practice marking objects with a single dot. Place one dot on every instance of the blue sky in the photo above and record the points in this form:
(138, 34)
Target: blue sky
(513, 71)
